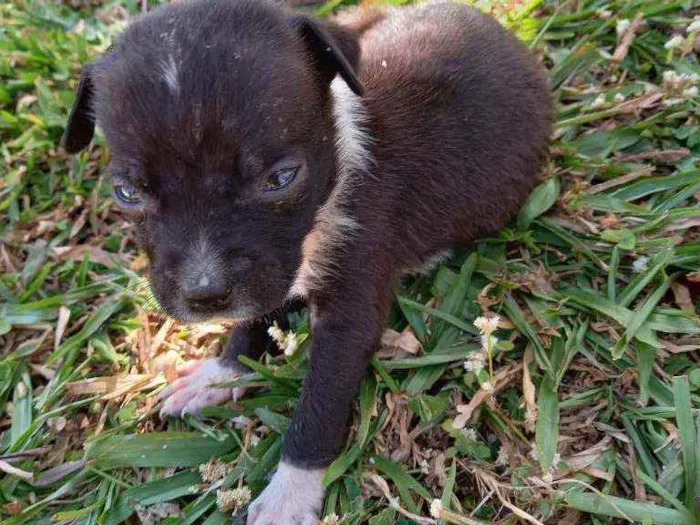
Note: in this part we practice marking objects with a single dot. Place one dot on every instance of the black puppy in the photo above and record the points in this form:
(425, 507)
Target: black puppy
(266, 156)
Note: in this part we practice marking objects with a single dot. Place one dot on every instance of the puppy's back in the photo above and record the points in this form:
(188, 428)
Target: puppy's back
(461, 117)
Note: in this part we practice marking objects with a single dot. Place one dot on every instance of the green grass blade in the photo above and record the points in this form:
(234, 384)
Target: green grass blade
(163, 449)
(622, 508)
(547, 426)
(687, 432)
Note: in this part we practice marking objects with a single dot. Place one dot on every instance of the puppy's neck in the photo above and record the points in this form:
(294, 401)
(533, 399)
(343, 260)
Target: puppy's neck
(334, 224)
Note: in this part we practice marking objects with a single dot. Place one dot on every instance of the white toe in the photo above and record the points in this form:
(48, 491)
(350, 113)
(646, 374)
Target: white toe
(293, 497)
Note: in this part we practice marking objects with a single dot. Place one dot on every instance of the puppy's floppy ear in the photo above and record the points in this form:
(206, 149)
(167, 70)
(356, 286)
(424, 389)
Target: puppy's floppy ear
(334, 49)
(81, 122)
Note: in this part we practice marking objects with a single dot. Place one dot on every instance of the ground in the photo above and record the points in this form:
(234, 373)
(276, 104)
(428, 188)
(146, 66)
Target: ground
(590, 412)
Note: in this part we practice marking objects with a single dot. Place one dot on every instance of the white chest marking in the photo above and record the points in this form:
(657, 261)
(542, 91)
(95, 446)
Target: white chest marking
(333, 226)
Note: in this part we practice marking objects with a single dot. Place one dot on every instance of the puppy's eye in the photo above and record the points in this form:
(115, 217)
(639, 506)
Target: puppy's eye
(128, 194)
(281, 179)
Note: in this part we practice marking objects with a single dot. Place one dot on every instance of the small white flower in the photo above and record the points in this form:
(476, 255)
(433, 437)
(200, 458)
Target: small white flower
(670, 102)
(232, 499)
(213, 470)
(425, 466)
(670, 77)
(487, 387)
(619, 98)
(487, 325)
(599, 102)
(436, 508)
(470, 434)
(286, 341)
(331, 519)
(622, 26)
(694, 25)
(254, 440)
(675, 42)
(291, 344)
(640, 264)
(277, 334)
(473, 366)
(691, 92)
(475, 362)
(548, 478)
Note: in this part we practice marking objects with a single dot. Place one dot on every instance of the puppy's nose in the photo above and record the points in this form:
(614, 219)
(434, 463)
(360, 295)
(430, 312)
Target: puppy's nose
(206, 294)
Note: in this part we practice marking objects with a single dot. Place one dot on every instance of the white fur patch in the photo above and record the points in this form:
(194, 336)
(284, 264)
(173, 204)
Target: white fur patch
(196, 388)
(293, 497)
(170, 74)
(333, 226)
(430, 263)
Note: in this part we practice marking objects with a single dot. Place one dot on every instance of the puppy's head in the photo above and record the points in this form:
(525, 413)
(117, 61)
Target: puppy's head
(219, 121)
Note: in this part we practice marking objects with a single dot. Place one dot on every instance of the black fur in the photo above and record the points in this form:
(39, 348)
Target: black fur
(459, 118)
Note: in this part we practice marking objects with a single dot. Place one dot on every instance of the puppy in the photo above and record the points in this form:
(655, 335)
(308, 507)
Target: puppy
(268, 158)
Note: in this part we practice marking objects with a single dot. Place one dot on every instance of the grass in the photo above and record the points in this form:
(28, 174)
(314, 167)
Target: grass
(594, 417)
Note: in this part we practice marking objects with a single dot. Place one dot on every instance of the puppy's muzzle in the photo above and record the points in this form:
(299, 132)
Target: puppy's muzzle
(207, 282)
(207, 295)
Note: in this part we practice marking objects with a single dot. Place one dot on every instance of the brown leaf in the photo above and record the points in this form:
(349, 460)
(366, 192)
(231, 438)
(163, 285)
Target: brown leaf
(529, 391)
(485, 301)
(669, 156)
(610, 222)
(14, 507)
(627, 38)
(682, 297)
(63, 317)
(78, 224)
(397, 344)
(7, 261)
(77, 253)
(114, 387)
(633, 106)
(679, 349)
(160, 336)
(587, 457)
(540, 281)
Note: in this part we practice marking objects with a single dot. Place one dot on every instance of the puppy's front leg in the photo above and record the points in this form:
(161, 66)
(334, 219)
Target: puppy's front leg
(345, 331)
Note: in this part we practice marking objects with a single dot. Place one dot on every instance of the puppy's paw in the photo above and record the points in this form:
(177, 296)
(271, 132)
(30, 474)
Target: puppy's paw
(196, 388)
(293, 497)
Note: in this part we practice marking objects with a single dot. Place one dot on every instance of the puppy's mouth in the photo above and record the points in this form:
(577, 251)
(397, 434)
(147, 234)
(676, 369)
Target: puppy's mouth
(209, 304)
(194, 308)
(221, 312)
